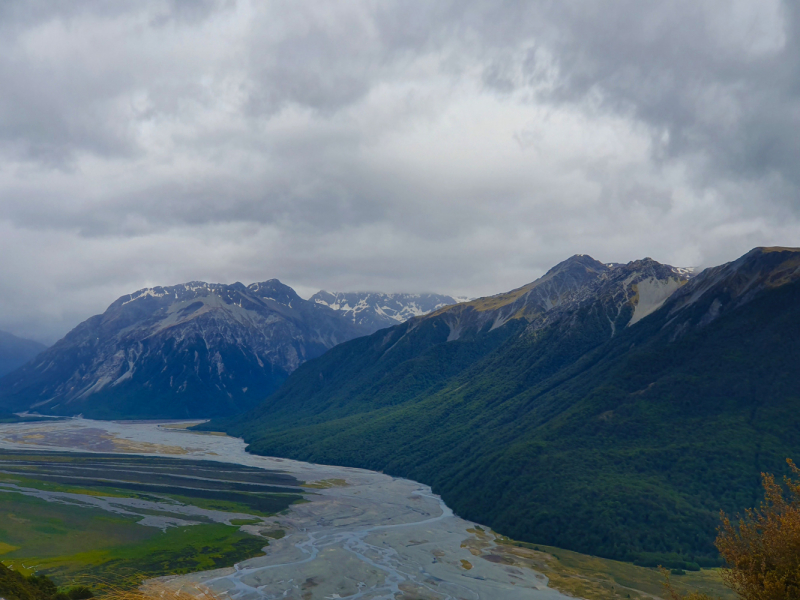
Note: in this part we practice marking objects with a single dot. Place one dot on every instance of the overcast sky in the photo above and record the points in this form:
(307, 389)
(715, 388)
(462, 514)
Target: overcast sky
(455, 146)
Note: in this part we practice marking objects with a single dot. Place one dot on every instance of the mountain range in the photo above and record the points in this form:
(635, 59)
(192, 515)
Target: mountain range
(375, 310)
(607, 409)
(612, 409)
(192, 350)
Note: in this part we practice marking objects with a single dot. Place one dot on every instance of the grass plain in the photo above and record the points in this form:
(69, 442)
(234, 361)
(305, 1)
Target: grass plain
(73, 541)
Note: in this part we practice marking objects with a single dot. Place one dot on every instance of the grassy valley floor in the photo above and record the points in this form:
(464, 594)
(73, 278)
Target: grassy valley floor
(120, 519)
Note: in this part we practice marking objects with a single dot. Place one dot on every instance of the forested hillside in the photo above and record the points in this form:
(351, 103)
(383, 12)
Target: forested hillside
(571, 426)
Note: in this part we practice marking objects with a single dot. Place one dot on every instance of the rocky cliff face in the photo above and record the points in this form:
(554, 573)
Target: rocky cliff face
(623, 294)
(721, 289)
(191, 350)
(374, 310)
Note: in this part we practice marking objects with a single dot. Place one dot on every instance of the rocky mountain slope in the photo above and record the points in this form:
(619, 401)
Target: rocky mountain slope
(587, 300)
(16, 351)
(627, 293)
(611, 410)
(374, 310)
(191, 350)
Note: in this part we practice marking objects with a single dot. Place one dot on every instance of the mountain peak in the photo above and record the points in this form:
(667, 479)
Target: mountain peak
(530, 302)
(273, 289)
(578, 261)
(634, 290)
(720, 289)
(191, 350)
(376, 310)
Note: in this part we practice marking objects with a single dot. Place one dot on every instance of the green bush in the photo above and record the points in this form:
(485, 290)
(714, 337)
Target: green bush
(15, 586)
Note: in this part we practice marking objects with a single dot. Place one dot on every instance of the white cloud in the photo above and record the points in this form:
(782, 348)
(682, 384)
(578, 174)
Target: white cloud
(460, 147)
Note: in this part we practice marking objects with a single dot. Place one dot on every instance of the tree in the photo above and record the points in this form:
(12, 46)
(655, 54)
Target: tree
(762, 549)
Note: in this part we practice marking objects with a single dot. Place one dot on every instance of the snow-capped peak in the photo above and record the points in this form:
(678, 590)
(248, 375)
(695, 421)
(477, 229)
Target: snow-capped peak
(376, 310)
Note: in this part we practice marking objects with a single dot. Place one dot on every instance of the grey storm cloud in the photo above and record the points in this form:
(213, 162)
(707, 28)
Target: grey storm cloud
(454, 146)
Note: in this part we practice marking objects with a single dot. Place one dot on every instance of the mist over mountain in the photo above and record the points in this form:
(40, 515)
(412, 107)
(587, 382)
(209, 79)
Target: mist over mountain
(16, 351)
(608, 409)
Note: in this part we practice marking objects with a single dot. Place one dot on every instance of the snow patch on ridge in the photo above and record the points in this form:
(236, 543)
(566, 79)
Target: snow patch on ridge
(144, 294)
(376, 310)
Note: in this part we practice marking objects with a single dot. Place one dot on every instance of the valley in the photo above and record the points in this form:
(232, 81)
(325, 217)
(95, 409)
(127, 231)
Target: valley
(613, 410)
(609, 410)
(376, 300)
(150, 503)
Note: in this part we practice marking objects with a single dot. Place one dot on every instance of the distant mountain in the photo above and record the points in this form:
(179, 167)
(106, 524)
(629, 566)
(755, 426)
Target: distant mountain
(608, 409)
(16, 351)
(191, 350)
(375, 311)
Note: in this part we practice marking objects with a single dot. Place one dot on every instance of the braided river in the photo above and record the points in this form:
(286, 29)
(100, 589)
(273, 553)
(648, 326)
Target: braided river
(359, 534)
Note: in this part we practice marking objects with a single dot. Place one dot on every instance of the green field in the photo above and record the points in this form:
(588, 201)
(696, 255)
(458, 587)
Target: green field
(49, 526)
